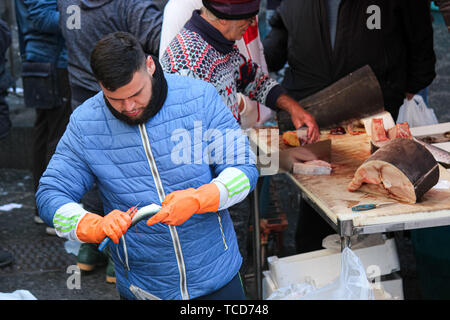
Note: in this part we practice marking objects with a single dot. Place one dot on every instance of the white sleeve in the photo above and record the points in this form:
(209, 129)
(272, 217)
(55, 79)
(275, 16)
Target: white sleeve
(66, 220)
(234, 186)
(248, 114)
(176, 14)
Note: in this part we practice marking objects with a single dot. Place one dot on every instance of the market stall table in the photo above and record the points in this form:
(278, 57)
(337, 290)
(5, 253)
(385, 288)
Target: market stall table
(328, 194)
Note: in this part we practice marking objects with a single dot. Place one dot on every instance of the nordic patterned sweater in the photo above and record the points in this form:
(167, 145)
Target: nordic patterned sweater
(200, 51)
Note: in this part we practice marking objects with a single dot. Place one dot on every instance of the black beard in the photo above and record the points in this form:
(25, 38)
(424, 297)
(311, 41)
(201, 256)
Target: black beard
(145, 116)
(159, 94)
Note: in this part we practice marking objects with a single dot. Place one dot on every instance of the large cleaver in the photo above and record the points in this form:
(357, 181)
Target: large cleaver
(322, 149)
(356, 96)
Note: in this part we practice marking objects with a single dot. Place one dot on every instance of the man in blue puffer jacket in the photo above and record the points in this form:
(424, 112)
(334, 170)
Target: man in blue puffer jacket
(150, 137)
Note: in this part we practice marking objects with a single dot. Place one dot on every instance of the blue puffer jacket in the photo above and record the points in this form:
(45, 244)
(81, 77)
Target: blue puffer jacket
(40, 38)
(187, 261)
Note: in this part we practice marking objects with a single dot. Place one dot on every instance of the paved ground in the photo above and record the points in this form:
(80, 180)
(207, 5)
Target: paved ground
(41, 262)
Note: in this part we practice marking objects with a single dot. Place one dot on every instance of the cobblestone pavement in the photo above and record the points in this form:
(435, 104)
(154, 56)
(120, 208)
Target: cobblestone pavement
(41, 262)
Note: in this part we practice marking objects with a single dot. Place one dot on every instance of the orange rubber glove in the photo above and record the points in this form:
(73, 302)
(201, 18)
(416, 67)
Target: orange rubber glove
(94, 228)
(180, 205)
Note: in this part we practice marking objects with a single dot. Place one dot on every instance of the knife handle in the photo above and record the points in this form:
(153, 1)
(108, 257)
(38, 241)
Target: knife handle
(104, 243)
(364, 207)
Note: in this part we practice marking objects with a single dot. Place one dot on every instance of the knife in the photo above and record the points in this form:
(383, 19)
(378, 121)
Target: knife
(369, 206)
(133, 210)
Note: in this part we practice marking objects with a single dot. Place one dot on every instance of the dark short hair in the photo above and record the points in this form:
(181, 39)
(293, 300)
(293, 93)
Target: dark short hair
(116, 58)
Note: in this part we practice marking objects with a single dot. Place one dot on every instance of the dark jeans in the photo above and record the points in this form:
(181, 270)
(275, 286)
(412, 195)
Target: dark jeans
(233, 290)
(49, 127)
(5, 122)
(240, 215)
(80, 95)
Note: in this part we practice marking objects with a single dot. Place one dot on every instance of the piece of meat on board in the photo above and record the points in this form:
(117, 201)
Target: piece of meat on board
(401, 169)
(401, 130)
(378, 131)
(314, 167)
(290, 138)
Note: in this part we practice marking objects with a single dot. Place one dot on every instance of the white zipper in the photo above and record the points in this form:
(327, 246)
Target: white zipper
(221, 231)
(161, 194)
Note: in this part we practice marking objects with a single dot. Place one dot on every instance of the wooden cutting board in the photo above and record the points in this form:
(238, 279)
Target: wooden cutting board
(330, 192)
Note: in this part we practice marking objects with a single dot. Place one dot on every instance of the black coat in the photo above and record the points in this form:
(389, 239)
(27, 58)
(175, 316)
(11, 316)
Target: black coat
(400, 53)
(5, 41)
(5, 80)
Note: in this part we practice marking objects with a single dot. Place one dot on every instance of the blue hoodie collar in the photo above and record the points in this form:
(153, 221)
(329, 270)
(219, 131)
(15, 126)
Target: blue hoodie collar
(213, 36)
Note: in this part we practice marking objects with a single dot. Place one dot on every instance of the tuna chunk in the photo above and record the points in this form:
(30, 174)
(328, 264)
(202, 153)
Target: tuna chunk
(401, 130)
(378, 131)
(315, 167)
(401, 169)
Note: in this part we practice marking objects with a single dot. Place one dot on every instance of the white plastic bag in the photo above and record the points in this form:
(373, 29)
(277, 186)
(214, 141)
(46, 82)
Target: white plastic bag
(72, 247)
(416, 113)
(352, 284)
(17, 295)
(293, 291)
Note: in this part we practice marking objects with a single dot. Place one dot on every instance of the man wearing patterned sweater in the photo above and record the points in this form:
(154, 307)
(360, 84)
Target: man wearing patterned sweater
(205, 49)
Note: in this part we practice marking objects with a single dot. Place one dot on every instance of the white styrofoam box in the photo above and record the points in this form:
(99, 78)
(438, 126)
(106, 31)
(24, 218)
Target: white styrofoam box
(324, 266)
(390, 289)
(433, 129)
(379, 293)
(268, 285)
(429, 130)
(394, 286)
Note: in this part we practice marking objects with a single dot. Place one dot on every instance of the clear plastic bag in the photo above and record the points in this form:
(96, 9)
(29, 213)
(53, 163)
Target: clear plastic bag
(352, 284)
(293, 291)
(17, 295)
(416, 113)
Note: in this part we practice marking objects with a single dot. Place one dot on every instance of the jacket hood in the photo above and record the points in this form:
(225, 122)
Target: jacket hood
(93, 4)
